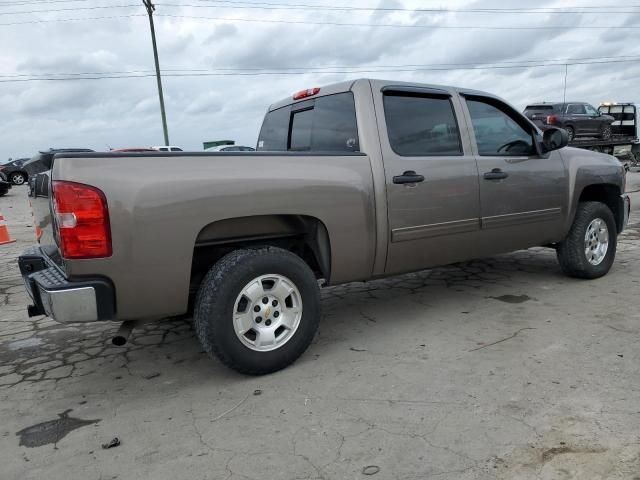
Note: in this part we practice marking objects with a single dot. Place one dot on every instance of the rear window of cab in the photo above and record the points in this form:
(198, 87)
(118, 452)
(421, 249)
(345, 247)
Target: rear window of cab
(324, 124)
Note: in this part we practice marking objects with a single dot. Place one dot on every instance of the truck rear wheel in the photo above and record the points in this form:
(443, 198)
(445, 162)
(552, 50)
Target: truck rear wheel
(257, 310)
(571, 133)
(590, 248)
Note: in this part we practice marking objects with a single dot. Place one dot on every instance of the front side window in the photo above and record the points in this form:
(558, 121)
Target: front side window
(420, 125)
(576, 109)
(591, 111)
(324, 124)
(497, 133)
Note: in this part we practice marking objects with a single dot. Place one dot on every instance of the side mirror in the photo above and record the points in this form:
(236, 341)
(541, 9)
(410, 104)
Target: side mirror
(554, 139)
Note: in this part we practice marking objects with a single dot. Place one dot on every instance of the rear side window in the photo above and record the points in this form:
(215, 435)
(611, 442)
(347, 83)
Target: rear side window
(420, 125)
(325, 124)
(538, 109)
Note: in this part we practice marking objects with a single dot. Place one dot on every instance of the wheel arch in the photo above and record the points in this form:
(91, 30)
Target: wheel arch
(606, 193)
(303, 235)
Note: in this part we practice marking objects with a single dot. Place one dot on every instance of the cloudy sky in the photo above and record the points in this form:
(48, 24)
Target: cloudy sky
(211, 52)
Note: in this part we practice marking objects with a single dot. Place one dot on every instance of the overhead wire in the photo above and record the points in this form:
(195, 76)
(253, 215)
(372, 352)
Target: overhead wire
(284, 72)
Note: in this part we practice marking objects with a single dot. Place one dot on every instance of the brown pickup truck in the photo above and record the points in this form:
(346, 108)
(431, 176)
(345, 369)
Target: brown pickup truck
(352, 181)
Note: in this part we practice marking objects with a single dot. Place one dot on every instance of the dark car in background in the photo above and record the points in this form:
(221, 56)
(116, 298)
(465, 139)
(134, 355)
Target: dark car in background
(42, 161)
(15, 172)
(579, 119)
(5, 186)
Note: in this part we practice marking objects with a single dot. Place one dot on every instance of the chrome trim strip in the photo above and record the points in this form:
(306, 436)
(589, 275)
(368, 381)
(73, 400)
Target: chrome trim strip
(511, 219)
(434, 230)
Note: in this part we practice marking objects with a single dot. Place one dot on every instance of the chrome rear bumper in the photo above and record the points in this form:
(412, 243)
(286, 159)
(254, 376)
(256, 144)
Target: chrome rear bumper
(53, 295)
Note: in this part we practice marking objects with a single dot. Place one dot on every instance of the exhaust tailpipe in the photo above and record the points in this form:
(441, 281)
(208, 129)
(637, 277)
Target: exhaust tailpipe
(122, 335)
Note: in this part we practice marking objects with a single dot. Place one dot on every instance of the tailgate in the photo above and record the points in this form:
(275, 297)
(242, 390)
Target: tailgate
(39, 188)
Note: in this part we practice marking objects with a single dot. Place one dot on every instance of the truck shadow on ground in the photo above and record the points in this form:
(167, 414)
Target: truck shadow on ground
(47, 351)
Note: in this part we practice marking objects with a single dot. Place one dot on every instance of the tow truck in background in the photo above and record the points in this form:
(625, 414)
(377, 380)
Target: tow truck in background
(623, 144)
(619, 139)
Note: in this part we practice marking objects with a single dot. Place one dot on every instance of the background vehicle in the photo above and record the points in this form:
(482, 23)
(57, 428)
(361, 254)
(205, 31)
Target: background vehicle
(15, 172)
(167, 148)
(42, 161)
(231, 148)
(623, 141)
(354, 181)
(579, 119)
(133, 150)
(5, 186)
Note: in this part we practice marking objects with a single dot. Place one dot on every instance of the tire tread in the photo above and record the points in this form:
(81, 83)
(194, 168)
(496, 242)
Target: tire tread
(210, 293)
(570, 251)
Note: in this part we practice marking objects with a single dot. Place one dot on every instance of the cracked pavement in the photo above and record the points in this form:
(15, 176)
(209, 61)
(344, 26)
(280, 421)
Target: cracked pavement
(496, 368)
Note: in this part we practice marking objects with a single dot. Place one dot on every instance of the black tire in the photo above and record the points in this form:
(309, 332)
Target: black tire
(571, 132)
(17, 178)
(571, 251)
(606, 132)
(216, 299)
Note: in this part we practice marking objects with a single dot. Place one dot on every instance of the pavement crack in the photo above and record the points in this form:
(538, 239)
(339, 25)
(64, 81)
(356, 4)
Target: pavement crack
(501, 340)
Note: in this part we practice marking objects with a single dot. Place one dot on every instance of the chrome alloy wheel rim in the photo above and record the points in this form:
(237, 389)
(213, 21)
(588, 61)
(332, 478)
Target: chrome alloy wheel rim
(267, 312)
(596, 241)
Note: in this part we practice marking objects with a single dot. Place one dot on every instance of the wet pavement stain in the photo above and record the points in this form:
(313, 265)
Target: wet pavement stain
(513, 298)
(51, 431)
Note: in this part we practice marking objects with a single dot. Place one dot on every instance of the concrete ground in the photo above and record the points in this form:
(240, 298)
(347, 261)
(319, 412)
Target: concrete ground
(498, 368)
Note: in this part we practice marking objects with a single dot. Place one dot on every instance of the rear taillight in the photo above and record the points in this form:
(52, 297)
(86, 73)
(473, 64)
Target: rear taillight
(306, 93)
(82, 220)
(552, 120)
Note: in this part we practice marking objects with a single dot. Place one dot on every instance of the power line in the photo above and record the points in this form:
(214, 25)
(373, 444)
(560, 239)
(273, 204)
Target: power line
(398, 25)
(111, 17)
(72, 9)
(381, 68)
(294, 6)
(230, 4)
(342, 24)
(43, 2)
(273, 6)
(311, 72)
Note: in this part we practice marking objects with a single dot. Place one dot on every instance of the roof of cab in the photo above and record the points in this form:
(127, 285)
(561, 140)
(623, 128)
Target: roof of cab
(348, 85)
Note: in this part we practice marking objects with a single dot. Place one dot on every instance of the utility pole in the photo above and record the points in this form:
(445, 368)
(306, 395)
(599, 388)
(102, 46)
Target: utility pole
(566, 71)
(150, 9)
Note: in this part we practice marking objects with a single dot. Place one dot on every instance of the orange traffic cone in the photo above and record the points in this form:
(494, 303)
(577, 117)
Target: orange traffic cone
(4, 232)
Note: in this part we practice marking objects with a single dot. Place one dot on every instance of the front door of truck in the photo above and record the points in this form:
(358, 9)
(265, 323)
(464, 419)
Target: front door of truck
(522, 191)
(431, 178)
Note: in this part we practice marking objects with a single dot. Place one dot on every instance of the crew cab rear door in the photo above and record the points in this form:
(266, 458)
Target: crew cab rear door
(431, 177)
(522, 191)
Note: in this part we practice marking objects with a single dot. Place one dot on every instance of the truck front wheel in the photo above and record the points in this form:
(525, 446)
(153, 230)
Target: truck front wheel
(606, 132)
(257, 310)
(590, 248)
